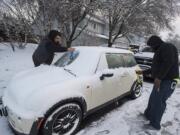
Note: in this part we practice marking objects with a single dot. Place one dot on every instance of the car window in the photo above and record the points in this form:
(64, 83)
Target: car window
(102, 63)
(67, 59)
(114, 60)
(129, 60)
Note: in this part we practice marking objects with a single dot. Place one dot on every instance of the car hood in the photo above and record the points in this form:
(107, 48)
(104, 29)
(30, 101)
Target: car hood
(26, 83)
(145, 55)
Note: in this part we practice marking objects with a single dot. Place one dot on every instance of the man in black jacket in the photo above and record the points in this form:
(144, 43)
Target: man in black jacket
(44, 54)
(165, 70)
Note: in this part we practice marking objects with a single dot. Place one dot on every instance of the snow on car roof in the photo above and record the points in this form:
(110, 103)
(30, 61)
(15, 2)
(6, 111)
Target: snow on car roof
(88, 58)
(99, 49)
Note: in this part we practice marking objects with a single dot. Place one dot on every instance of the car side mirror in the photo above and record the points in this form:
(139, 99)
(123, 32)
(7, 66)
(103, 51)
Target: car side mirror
(103, 76)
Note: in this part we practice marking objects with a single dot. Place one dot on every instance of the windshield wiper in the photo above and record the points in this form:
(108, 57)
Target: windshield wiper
(69, 71)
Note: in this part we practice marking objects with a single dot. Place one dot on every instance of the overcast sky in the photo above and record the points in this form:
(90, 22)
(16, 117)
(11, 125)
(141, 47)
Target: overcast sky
(176, 25)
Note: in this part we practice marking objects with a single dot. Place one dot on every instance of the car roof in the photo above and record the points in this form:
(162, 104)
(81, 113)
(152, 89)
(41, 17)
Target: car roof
(99, 49)
(88, 59)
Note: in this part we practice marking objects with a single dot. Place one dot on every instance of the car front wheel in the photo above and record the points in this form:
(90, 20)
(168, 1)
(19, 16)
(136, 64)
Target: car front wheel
(65, 120)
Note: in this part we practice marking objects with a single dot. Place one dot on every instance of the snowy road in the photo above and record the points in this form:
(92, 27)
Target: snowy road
(122, 119)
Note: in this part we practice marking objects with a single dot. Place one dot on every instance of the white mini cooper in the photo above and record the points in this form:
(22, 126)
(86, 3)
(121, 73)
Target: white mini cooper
(53, 100)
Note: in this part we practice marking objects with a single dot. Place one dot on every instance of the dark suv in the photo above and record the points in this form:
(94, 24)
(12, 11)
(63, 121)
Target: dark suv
(144, 58)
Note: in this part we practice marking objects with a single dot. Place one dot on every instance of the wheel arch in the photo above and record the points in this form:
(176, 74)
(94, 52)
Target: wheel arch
(78, 100)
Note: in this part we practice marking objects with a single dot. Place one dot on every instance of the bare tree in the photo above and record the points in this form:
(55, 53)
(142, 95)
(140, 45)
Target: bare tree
(44, 15)
(174, 39)
(16, 22)
(70, 14)
(137, 16)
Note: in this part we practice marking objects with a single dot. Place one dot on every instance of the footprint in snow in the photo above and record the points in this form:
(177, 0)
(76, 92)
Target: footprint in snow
(105, 132)
(148, 132)
(177, 117)
(178, 93)
(4, 87)
(136, 124)
(178, 106)
(167, 124)
(165, 132)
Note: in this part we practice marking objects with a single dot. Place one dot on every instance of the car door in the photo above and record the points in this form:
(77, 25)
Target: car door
(116, 62)
(129, 71)
(107, 89)
(124, 77)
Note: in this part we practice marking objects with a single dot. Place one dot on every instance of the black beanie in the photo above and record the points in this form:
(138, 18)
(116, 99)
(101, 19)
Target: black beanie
(154, 41)
(52, 34)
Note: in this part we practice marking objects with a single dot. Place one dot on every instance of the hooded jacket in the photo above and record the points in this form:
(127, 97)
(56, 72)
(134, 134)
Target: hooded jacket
(44, 53)
(165, 62)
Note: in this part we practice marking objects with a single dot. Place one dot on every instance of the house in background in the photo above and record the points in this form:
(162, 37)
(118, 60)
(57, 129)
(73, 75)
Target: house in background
(96, 32)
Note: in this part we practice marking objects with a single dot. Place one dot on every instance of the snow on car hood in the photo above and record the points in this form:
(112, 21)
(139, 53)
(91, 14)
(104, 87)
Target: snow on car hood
(145, 54)
(27, 83)
(37, 78)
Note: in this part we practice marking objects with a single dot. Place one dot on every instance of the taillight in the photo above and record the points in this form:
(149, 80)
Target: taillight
(40, 121)
(139, 72)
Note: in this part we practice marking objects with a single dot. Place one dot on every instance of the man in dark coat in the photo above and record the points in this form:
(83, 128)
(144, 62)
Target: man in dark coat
(165, 70)
(44, 53)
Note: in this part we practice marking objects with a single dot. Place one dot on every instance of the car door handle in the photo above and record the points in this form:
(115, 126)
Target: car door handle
(106, 76)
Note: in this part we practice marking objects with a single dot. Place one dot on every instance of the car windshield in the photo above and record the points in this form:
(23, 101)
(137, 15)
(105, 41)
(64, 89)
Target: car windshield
(67, 59)
(147, 49)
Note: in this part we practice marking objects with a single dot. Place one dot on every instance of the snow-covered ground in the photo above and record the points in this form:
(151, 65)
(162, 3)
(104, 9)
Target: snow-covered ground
(122, 120)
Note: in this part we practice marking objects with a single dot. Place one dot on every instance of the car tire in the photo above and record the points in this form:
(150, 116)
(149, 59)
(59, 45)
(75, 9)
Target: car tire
(136, 90)
(65, 120)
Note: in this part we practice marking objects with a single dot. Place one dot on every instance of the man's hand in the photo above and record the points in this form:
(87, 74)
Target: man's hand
(157, 83)
(71, 49)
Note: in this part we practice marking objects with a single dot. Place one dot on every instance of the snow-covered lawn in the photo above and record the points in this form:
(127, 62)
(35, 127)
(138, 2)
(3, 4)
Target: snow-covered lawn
(122, 120)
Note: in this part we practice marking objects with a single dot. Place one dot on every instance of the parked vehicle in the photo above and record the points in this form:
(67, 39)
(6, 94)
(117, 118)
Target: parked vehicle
(134, 48)
(53, 100)
(144, 58)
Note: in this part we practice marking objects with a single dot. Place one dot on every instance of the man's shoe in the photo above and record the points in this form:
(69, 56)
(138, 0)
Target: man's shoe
(157, 127)
(150, 127)
(143, 116)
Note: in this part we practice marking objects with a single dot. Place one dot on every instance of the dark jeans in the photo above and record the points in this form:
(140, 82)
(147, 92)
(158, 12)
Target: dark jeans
(157, 102)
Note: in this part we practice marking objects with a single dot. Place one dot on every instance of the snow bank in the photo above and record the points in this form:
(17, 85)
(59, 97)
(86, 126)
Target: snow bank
(4, 129)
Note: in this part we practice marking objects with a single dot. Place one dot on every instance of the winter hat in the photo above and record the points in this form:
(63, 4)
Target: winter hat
(53, 33)
(154, 41)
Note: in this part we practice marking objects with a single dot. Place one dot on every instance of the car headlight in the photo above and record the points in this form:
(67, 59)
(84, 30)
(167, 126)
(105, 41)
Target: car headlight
(18, 123)
(140, 79)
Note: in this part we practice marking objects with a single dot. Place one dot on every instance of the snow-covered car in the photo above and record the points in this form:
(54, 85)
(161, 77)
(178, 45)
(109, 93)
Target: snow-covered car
(53, 100)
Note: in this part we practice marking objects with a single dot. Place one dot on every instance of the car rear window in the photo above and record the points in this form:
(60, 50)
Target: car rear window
(129, 60)
(114, 60)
